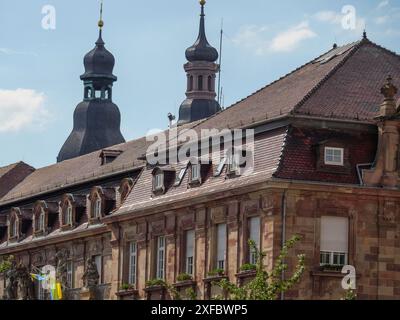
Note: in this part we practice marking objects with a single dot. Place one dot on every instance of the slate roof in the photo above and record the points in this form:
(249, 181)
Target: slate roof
(343, 83)
(267, 154)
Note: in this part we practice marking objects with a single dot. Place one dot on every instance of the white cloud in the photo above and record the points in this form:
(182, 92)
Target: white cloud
(9, 51)
(291, 39)
(382, 19)
(257, 38)
(383, 4)
(328, 16)
(21, 109)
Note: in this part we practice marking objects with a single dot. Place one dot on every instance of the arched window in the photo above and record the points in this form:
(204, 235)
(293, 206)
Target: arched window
(190, 83)
(125, 188)
(13, 225)
(97, 207)
(67, 210)
(200, 83)
(210, 84)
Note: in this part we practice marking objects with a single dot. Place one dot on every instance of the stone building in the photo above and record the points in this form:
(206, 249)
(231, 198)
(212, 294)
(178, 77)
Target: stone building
(325, 167)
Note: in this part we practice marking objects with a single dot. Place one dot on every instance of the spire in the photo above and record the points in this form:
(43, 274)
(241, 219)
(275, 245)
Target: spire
(201, 49)
(365, 35)
(201, 72)
(100, 41)
(97, 119)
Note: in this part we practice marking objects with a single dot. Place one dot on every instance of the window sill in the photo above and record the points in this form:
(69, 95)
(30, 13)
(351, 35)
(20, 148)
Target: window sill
(183, 284)
(127, 293)
(210, 279)
(246, 274)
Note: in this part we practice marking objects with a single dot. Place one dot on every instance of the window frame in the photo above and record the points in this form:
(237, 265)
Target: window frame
(132, 263)
(251, 254)
(190, 259)
(332, 162)
(221, 243)
(70, 274)
(97, 207)
(160, 257)
(158, 177)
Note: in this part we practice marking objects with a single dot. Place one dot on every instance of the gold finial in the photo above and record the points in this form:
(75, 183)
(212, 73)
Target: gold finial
(202, 2)
(101, 22)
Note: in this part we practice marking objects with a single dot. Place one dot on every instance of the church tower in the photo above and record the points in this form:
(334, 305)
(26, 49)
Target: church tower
(201, 72)
(96, 119)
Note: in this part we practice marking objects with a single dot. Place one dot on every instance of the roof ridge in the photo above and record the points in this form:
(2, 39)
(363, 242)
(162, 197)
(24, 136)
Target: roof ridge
(356, 47)
(272, 83)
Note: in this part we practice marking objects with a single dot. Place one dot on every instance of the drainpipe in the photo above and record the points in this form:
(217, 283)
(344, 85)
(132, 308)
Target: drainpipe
(358, 166)
(283, 233)
(119, 258)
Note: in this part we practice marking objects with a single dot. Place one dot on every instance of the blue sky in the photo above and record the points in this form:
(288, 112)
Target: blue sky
(40, 69)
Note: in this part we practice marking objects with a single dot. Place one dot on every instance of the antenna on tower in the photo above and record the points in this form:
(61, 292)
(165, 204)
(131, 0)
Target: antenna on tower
(220, 61)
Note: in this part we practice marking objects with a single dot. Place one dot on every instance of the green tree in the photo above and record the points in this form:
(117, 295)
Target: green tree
(266, 286)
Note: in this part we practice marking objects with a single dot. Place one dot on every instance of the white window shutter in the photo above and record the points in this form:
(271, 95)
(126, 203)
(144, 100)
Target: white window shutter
(334, 234)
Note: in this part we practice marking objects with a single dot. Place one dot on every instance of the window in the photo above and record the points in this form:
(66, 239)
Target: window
(254, 230)
(40, 220)
(210, 88)
(132, 263)
(158, 181)
(221, 246)
(189, 253)
(99, 263)
(68, 215)
(97, 208)
(195, 176)
(190, 83)
(334, 156)
(234, 163)
(200, 83)
(334, 241)
(70, 275)
(180, 176)
(13, 227)
(160, 272)
(220, 167)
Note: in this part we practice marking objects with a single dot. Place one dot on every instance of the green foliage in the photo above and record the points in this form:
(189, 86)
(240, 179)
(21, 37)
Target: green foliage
(184, 277)
(127, 286)
(156, 283)
(5, 265)
(216, 272)
(350, 294)
(248, 267)
(191, 293)
(266, 286)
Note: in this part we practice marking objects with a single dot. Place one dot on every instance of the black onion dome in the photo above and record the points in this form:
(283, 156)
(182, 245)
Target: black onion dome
(99, 62)
(202, 50)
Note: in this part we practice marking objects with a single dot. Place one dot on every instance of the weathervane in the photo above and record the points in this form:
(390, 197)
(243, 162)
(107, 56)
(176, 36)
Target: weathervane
(101, 22)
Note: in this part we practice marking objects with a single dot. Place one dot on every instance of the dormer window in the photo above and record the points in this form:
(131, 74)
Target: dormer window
(39, 220)
(220, 167)
(334, 156)
(13, 227)
(125, 188)
(68, 215)
(108, 156)
(159, 181)
(196, 172)
(180, 176)
(97, 208)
